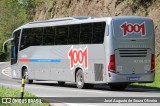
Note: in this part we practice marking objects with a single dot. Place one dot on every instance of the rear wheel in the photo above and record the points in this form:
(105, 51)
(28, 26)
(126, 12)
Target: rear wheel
(118, 87)
(80, 79)
(27, 80)
(61, 83)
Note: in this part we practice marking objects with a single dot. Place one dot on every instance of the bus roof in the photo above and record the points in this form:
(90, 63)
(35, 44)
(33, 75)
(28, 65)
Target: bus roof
(63, 21)
(73, 20)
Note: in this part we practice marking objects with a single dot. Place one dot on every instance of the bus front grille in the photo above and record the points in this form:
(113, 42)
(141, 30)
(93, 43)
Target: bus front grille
(133, 53)
(98, 71)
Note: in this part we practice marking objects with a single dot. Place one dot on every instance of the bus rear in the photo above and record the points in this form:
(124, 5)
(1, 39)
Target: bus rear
(132, 56)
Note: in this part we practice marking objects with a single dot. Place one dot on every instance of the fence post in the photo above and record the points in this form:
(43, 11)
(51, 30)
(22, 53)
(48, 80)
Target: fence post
(22, 87)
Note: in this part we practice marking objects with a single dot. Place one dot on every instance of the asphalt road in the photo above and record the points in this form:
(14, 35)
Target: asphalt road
(51, 89)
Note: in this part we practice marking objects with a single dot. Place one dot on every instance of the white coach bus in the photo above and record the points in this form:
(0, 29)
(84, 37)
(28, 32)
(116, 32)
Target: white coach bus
(111, 50)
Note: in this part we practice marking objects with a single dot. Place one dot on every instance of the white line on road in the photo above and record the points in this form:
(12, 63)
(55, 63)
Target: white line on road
(77, 90)
(3, 62)
(6, 72)
(75, 104)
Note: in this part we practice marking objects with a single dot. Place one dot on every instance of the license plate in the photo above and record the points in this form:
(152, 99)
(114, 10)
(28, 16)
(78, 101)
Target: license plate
(133, 78)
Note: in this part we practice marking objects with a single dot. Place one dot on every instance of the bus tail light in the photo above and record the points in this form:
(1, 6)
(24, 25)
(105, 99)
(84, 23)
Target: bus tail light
(111, 66)
(152, 62)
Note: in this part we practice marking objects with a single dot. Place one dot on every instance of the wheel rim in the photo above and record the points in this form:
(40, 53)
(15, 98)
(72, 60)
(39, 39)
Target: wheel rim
(80, 79)
(26, 75)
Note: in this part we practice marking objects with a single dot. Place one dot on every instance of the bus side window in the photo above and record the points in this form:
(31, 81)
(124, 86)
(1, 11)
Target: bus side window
(61, 37)
(37, 34)
(74, 31)
(25, 38)
(49, 36)
(86, 33)
(98, 32)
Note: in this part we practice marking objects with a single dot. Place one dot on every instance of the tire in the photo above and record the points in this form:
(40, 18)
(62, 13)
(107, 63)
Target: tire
(80, 80)
(118, 87)
(61, 83)
(27, 80)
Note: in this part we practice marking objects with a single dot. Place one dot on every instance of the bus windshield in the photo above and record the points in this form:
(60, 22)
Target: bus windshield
(14, 47)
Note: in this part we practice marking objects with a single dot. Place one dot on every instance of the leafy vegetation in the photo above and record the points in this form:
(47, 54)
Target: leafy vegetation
(3, 56)
(13, 13)
(139, 5)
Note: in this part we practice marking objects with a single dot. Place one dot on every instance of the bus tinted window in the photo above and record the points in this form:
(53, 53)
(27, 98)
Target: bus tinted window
(16, 37)
(25, 39)
(49, 36)
(61, 37)
(98, 32)
(37, 34)
(86, 33)
(74, 31)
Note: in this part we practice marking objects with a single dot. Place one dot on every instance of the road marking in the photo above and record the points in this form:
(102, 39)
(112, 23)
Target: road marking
(9, 84)
(90, 91)
(3, 62)
(75, 104)
(7, 72)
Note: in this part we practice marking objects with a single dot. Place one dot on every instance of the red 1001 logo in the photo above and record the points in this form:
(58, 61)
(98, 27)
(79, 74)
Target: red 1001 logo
(78, 57)
(133, 28)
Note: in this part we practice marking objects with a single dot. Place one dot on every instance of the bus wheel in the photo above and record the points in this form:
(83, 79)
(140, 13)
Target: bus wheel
(27, 80)
(61, 83)
(80, 79)
(118, 87)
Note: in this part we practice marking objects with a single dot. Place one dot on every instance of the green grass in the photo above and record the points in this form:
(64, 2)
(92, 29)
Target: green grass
(155, 84)
(9, 92)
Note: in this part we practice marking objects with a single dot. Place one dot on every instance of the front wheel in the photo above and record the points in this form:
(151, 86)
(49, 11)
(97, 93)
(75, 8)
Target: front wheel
(26, 75)
(118, 87)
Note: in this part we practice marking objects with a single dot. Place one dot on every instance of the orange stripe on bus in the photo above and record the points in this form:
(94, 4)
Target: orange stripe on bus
(24, 60)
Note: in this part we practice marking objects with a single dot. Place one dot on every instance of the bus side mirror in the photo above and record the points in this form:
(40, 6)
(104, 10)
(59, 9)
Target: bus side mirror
(5, 44)
(5, 48)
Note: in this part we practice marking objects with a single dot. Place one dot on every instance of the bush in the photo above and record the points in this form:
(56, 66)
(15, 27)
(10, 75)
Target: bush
(3, 56)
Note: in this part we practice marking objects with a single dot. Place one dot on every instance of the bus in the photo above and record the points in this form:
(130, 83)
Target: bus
(85, 50)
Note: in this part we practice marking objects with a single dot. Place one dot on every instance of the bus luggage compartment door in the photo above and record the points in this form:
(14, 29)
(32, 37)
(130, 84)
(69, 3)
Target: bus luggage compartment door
(133, 61)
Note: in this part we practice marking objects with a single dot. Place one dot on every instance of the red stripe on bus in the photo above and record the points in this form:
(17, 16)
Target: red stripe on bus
(24, 60)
